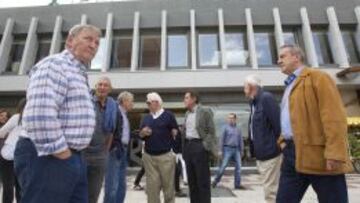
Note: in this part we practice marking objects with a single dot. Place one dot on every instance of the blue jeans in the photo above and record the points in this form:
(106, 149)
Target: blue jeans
(293, 185)
(47, 179)
(228, 153)
(115, 177)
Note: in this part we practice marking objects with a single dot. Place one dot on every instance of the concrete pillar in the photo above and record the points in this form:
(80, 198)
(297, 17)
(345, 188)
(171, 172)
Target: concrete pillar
(251, 39)
(310, 50)
(336, 40)
(6, 44)
(108, 42)
(57, 36)
(222, 39)
(193, 40)
(135, 42)
(31, 47)
(278, 31)
(163, 40)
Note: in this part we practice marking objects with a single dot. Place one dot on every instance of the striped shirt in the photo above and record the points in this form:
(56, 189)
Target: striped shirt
(59, 113)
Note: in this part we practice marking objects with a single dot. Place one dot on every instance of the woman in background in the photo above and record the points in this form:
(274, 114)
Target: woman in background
(10, 131)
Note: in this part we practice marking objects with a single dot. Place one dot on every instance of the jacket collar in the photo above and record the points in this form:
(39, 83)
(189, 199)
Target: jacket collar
(304, 73)
(257, 96)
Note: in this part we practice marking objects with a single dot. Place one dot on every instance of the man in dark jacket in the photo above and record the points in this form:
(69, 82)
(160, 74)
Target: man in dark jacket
(264, 130)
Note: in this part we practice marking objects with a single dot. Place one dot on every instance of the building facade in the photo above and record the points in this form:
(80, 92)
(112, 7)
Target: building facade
(170, 46)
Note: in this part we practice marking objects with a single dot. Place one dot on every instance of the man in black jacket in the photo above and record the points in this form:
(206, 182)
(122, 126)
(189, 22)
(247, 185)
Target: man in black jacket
(264, 130)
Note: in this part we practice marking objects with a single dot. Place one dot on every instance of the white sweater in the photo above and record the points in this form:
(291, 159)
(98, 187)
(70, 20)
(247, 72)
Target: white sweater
(11, 131)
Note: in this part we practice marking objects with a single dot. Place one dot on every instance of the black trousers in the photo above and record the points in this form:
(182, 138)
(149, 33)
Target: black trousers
(139, 176)
(293, 185)
(9, 181)
(178, 168)
(198, 170)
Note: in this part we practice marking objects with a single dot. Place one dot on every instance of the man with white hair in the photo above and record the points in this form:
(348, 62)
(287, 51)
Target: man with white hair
(264, 131)
(96, 153)
(158, 129)
(115, 178)
(59, 121)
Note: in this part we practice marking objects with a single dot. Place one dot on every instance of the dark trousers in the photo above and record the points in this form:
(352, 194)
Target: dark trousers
(95, 176)
(293, 185)
(198, 170)
(139, 176)
(178, 168)
(47, 179)
(9, 181)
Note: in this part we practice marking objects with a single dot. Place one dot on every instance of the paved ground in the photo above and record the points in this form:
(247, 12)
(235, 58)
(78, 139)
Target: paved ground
(253, 194)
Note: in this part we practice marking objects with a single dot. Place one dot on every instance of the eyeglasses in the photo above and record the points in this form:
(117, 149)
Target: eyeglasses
(149, 102)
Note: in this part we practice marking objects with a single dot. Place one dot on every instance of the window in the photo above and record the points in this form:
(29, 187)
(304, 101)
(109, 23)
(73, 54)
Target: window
(177, 51)
(236, 49)
(322, 47)
(121, 52)
(352, 50)
(150, 47)
(43, 50)
(209, 53)
(100, 55)
(265, 48)
(289, 38)
(15, 56)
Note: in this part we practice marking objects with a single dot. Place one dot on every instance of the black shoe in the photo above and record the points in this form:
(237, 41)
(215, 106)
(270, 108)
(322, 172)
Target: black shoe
(138, 187)
(180, 194)
(241, 187)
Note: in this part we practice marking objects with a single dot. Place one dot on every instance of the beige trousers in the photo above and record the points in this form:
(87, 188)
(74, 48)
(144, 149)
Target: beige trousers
(270, 174)
(160, 173)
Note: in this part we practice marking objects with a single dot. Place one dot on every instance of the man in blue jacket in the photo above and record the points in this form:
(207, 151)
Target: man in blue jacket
(264, 131)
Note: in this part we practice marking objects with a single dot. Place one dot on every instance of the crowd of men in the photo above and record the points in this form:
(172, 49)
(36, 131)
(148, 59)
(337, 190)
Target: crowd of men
(66, 141)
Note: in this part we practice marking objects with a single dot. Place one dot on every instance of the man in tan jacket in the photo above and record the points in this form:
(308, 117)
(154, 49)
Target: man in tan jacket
(314, 133)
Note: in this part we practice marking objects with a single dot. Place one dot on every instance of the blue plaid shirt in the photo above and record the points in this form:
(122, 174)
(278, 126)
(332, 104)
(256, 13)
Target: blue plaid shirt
(59, 113)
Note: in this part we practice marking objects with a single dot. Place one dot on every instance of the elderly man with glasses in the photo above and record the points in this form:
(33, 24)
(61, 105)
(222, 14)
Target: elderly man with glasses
(158, 130)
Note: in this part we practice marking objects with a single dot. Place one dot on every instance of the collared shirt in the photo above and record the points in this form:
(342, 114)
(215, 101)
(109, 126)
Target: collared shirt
(286, 129)
(126, 126)
(191, 132)
(157, 114)
(59, 113)
(251, 121)
(231, 137)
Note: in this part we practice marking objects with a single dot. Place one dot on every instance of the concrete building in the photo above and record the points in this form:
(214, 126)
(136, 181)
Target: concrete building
(170, 46)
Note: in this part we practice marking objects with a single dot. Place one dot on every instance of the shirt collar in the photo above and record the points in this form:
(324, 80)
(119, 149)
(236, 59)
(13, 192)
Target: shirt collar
(292, 77)
(158, 113)
(193, 110)
(73, 60)
(122, 109)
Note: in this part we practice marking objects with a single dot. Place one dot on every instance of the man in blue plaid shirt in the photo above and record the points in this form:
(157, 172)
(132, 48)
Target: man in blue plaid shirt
(58, 123)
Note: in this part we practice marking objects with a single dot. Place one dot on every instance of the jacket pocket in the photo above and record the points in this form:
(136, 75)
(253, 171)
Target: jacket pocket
(312, 157)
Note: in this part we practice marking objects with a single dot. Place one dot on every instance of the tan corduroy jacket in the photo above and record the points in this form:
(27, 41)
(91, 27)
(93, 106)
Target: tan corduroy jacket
(318, 120)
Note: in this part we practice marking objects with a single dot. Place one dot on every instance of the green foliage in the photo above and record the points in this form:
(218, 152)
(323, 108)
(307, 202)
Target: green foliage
(354, 141)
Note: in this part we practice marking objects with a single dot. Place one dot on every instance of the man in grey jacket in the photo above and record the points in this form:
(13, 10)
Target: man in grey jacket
(199, 140)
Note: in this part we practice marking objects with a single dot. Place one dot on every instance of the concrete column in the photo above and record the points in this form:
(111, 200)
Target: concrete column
(83, 19)
(135, 42)
(357, 38)
(310, 50)
(193, 40)
(336, 40)
(31, 47)
(163, 40)
(222, 39)
(278, 31)
(57, 36)
(108, 42)
(251, 39)
(6, 44)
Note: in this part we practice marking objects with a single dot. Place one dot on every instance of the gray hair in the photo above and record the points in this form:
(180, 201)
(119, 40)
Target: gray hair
(76, 29)
(154, 96)
(124, 96)
(253, 80)
(295, 50)
(104, 78)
